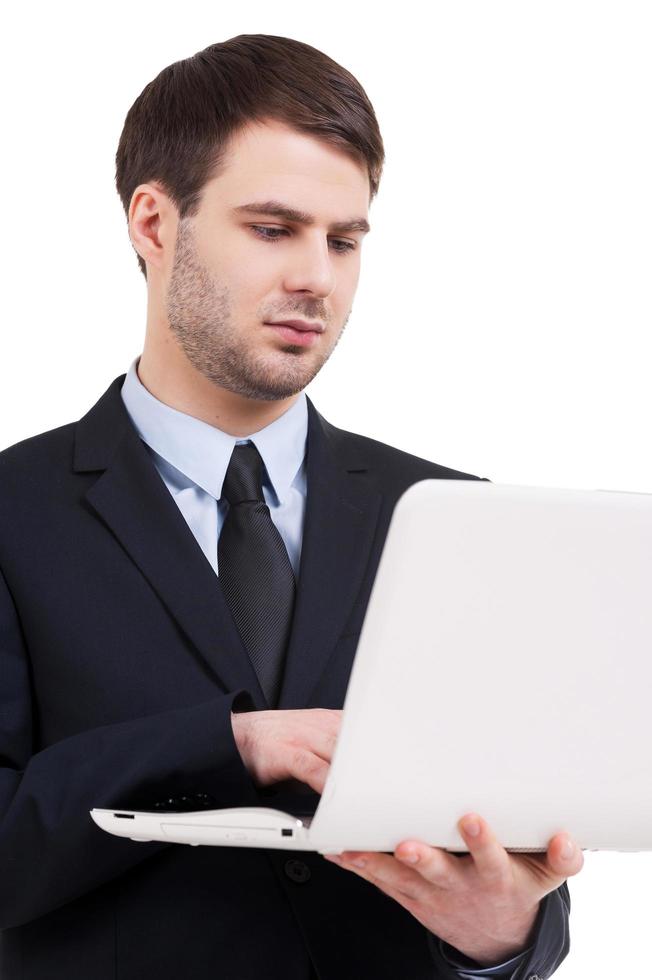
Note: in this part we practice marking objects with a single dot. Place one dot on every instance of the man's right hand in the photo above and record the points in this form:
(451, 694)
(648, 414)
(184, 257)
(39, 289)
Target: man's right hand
(279, 745)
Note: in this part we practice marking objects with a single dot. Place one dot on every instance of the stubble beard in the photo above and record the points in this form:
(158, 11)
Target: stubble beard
(199, 315)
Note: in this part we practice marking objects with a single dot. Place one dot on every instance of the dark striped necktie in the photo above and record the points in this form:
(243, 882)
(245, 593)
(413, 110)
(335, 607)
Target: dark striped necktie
(254, 570)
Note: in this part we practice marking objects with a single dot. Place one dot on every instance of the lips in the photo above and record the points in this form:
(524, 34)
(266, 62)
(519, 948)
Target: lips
(301, 325)
(301, 337)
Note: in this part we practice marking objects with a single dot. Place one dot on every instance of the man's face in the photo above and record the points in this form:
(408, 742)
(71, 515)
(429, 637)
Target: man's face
(235, 270)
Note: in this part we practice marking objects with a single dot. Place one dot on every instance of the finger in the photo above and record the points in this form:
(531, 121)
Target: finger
(308, 768)
(319, 742)
(491, 860)
(328, 719)
(564, 857)
(432, 863)
(384, 871)
(402, 895)
(317, 729)
(550, 870)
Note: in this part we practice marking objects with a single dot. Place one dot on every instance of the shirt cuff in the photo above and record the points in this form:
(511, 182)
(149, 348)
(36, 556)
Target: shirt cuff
(466, 967)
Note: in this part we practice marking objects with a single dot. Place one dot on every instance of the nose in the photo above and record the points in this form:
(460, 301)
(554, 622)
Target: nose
(311, 269)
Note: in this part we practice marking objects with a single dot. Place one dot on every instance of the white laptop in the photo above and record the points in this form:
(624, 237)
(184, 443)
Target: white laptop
(504, 667)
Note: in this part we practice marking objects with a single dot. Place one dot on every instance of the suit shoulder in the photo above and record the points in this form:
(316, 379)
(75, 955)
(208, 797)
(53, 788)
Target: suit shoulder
(42, 453)
(388, 459)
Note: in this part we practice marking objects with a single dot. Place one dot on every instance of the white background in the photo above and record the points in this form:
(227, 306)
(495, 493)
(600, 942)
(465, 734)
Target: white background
(502, 322)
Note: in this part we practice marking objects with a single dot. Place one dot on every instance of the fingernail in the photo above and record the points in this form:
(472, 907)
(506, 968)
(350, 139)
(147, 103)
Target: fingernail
(568, 849)
(333, 857)
(410, 856)
(359, 862)
(471, 827)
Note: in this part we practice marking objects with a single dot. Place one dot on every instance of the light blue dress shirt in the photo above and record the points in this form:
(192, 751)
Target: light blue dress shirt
(192, 457)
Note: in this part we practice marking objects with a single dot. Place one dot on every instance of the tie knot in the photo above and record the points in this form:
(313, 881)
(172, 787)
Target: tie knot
(243, 480)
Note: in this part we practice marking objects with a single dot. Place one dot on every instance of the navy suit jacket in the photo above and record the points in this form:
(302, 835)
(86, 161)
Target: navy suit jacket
(120, 666)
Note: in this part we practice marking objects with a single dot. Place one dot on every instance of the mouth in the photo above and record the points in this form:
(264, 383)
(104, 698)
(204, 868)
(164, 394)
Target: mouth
(301, 336)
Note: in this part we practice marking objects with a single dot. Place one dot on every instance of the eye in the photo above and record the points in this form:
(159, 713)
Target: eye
(272, 234)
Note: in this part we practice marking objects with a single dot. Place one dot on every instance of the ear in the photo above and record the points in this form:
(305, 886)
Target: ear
(153, 221)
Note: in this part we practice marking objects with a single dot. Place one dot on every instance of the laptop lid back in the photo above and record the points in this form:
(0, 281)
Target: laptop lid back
(503, 667)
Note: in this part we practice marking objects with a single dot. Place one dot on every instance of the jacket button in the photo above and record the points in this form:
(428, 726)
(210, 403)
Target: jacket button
(297, 871)
(203, 800)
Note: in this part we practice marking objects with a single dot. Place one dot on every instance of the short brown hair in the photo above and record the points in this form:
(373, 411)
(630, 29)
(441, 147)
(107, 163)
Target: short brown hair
(177, 130)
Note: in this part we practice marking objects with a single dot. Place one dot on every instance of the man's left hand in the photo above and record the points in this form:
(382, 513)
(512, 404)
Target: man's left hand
(484, 903)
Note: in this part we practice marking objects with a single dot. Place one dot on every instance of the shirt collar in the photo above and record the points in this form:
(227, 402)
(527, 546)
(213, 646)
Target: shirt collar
(202, 452)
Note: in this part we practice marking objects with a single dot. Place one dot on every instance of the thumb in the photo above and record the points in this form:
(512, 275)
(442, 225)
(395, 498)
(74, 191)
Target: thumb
(565, 857)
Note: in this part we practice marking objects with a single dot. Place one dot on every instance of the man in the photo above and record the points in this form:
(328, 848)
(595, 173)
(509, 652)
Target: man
(185, 573)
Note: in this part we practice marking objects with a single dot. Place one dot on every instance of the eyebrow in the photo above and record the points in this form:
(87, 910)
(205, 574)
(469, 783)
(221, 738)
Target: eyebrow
(278, 209)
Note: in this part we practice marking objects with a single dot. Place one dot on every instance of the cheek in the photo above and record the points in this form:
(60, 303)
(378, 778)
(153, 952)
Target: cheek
(353, 275)
(347, 283)
(347, 272)
(249, 276)
(255, 261)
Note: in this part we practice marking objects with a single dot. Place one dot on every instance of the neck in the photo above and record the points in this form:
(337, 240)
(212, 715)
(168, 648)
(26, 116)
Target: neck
(169, 376)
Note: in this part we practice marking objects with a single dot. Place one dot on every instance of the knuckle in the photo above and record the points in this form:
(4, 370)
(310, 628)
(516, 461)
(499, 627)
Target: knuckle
(301, 761)
(500, 880)
(438, 874)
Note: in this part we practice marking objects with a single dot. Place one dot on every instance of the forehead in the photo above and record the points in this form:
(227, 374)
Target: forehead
(267, 160)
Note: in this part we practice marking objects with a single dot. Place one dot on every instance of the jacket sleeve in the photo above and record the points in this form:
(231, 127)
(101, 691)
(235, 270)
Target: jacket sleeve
(51, 851)
(540, 959)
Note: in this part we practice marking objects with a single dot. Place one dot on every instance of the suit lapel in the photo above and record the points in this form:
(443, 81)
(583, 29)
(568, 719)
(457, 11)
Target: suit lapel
(341, 514)
(132, 500)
